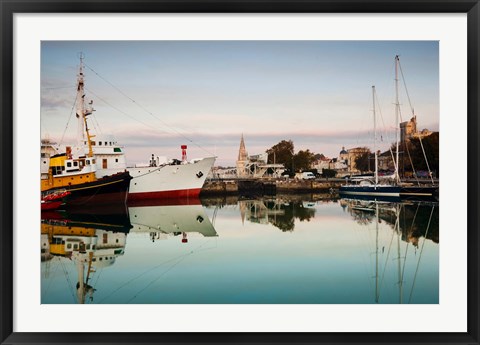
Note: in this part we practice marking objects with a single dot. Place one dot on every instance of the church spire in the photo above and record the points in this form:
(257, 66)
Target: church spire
(242, 152)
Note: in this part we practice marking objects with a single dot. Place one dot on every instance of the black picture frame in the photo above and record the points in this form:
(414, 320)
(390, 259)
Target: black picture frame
(10, 7)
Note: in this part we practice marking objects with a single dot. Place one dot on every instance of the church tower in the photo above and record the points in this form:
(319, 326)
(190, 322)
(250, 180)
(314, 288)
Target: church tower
(242, 159)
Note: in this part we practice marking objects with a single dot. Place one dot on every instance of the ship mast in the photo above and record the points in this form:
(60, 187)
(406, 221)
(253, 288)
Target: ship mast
(397, 106)
(80, 104)
(83, 111)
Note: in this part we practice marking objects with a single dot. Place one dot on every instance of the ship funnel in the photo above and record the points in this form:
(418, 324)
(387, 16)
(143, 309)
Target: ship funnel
(184, 153)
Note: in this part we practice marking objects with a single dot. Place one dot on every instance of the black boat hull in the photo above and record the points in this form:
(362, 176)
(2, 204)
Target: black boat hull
(108, 190)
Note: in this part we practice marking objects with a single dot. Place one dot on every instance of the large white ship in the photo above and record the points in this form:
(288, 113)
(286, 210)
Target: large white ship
(160, 178)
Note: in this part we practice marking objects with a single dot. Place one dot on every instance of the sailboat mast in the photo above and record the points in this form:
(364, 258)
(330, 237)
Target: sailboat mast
(397, 122)
(375, 136)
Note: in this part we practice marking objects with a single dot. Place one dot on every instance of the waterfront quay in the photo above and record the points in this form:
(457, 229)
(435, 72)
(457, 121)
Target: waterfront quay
(272, 186)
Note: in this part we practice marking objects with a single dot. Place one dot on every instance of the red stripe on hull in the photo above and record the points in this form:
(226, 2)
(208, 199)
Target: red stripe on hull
(170, 197)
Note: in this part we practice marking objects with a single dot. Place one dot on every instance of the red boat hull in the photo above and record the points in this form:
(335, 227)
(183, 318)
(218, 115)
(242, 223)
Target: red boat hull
(51, 205)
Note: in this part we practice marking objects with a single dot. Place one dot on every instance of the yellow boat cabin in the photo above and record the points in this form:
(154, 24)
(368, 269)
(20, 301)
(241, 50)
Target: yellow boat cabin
(65, 171)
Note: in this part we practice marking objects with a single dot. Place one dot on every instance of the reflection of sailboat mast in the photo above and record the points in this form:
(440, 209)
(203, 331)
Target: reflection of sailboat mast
(376, 254)
(400, 278)
(421, 251)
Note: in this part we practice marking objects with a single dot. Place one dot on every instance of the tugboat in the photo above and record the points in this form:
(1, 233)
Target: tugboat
(77, 177)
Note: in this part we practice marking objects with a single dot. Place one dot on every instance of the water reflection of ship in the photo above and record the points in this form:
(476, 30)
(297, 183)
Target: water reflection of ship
(161, 220)
(279, 212)
(89, 242)
(408, 226)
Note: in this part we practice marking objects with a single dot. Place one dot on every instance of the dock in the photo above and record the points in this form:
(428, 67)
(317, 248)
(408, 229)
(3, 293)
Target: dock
(271, 186)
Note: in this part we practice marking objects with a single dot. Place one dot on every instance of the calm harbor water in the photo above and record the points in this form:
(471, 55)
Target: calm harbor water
(291, 249)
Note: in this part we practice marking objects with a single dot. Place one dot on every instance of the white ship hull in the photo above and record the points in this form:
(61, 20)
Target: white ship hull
(169, 181)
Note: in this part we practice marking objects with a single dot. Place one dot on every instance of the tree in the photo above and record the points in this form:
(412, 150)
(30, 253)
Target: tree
(362, 162)
(414, 150)
(281, 153)
(303, 160)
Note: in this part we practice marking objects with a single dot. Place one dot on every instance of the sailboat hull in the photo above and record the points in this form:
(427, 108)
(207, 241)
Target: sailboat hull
(381, 191)
(428, 191)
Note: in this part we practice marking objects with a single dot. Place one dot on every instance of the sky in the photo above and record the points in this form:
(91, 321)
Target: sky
(154, 96)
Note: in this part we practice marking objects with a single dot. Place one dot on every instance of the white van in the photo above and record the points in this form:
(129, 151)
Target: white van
(305, 175)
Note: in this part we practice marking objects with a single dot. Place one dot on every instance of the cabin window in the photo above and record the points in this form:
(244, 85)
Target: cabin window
(93, 143)
(104, 163)
(100, 143)
(88, 246)
(69, 246)
(87, 162)
(93, 161)
(105, 143)
(116, 160)
(75, 164)
(69, 164)
(110, 143)
(75, 246)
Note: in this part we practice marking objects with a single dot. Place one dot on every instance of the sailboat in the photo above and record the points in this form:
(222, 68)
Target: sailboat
(366, 186)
